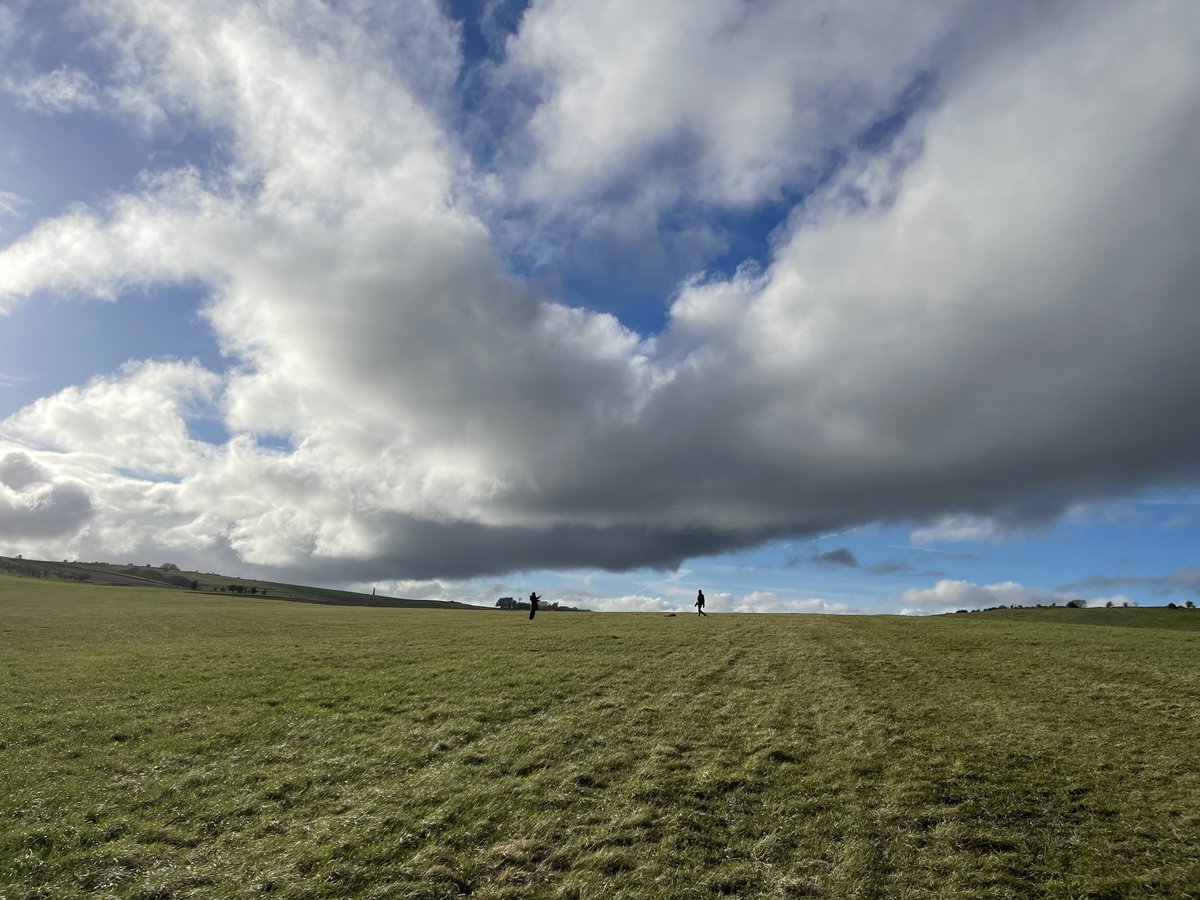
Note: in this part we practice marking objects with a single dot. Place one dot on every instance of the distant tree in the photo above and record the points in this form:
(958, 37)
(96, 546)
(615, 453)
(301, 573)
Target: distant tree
(1108, 605)
(1076, 604)
(195, 585)
(1191, 604)
(253, 591)
(169, 567)
(1172, 606)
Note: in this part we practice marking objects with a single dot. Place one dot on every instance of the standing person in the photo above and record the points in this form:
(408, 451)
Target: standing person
(533, 601)
(700, 604)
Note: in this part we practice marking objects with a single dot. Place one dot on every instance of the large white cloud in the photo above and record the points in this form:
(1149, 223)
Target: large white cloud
(137, 421)
(949, 326)
(635, 133)
(726, 102)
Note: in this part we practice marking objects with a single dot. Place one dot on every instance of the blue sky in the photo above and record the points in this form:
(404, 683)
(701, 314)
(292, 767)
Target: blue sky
(835, 307)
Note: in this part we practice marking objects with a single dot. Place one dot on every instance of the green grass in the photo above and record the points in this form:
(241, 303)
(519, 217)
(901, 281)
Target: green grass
(167, 744)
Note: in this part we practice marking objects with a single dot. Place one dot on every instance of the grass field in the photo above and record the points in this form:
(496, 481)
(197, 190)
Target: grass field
(165, 744)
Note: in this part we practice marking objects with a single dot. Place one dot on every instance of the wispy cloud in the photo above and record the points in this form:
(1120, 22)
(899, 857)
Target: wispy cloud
(10, 203)
(63, 90)
(9, 27)
(931, 550)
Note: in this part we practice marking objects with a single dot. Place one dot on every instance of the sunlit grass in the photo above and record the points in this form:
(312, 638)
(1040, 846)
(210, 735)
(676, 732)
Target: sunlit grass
(158, 744)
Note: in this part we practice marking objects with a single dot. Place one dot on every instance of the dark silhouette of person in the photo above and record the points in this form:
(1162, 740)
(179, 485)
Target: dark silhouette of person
(700, 604)
(533, 602)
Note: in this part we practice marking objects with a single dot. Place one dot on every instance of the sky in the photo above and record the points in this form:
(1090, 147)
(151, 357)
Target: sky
(837, 307)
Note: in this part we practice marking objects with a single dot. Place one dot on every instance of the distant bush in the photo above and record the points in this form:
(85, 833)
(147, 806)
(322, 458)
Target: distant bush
(144, 572)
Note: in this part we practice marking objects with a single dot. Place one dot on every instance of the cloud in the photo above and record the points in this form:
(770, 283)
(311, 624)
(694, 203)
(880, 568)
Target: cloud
(34, 505)
(772, 602)
(138, 420)
(715, 602)
(60, 91)
(839, 557)
(1185, 580)
(930, 550)
(976, 281)
(19, 471)
(950, 596)
(724, 103)
(960, 528)
(10, 203)
(632, 603)
(176, 230)
(1176, 522)
(638, 149)
(9, 28)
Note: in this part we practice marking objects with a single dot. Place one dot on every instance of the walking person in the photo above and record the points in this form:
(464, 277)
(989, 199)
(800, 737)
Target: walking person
(700, 604)
(533, 602)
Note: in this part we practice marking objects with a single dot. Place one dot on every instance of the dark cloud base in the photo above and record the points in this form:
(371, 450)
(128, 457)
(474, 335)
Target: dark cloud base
(427, 550)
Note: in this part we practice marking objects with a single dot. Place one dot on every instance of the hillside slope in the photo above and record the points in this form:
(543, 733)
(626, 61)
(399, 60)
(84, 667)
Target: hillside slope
(130, 575)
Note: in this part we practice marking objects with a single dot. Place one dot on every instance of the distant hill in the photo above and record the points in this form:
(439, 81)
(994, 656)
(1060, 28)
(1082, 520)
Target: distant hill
(1177, 619)
(131, 575)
